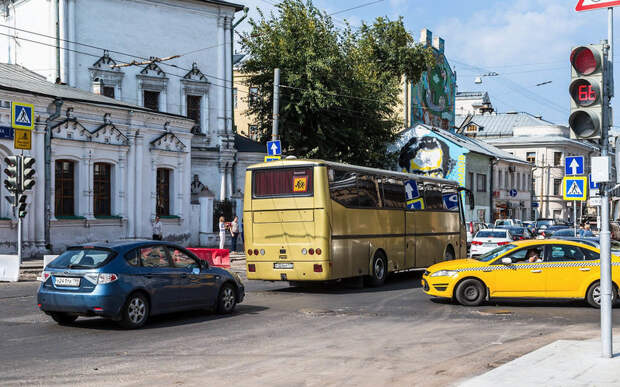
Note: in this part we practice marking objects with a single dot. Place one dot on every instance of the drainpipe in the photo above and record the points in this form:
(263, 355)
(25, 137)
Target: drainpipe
(57, 9)
(491, 207)
(48, 170)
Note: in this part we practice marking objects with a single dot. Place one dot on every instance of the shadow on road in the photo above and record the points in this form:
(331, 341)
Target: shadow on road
(168, 320)
(396, 281)
(534, 303)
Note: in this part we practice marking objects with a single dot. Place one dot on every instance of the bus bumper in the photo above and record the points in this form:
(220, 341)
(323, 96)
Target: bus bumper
(300, 271)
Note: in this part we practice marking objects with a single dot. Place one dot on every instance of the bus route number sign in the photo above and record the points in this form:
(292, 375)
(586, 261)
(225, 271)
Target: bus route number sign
(300, 184)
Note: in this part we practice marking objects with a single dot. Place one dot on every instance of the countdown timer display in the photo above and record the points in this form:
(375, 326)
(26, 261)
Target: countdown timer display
(584, 93)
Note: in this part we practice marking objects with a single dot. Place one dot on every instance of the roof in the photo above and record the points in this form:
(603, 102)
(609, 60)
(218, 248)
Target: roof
(18, 78)
(244, 144)
(237, 58)
(237, 7)
(470, 94)
(532, 140)
(501, 124)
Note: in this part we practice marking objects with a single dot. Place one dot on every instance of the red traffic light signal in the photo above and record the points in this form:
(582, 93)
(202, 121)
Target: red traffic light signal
(584, 60)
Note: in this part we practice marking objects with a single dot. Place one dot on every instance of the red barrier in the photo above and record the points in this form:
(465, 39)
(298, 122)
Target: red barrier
(215, 257)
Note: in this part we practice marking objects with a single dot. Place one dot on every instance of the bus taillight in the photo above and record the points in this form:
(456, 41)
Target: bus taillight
(249, 251)
(318, 268)
(318, 251)
(311, 251)
(251, 267)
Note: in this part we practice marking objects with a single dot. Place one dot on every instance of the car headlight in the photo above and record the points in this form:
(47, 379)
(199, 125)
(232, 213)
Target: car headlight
(445, 273)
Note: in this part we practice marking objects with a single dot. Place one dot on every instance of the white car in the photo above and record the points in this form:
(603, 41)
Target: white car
(505, 222)
(489, 239)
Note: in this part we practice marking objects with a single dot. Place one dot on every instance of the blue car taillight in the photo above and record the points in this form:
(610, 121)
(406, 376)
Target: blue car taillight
(101, 278)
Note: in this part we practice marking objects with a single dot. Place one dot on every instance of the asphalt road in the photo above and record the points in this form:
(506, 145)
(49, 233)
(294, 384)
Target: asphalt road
(282, 336)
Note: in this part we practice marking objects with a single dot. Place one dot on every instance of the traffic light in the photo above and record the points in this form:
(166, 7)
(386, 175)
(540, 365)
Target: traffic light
(588, 91)
(21, 205)
(27, 175)
(12, 182)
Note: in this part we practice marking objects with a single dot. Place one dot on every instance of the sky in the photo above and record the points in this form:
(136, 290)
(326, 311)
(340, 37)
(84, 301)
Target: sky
(526, 42)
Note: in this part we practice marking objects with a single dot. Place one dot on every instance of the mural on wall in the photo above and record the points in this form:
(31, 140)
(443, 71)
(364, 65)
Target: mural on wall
(425, 152)
(432, 99)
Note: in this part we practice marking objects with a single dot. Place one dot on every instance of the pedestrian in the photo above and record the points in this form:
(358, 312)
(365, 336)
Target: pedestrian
(157, 231)
(222, 232)
(234, 232)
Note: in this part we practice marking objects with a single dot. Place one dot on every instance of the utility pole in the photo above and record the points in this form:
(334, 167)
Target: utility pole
(276, 104)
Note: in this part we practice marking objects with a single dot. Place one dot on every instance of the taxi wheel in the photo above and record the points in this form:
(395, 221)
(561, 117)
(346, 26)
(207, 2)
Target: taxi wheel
(63, 318)
(379, 270)
(135, 312)
(593, 296)
(470, 292)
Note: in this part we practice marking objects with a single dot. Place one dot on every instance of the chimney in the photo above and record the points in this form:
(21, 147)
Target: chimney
(426, 37)
(438, 43)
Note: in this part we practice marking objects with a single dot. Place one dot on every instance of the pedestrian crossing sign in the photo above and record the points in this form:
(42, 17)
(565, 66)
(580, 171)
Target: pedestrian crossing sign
(575, 188)
(22, 115)
(415, 204)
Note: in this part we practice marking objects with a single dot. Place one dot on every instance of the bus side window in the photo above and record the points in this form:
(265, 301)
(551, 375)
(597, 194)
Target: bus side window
(368, 195)
(432, 197)
(343, 187)
(392, 193)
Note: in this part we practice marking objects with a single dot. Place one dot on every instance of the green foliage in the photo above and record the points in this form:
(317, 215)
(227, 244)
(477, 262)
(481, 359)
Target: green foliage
(339, 88)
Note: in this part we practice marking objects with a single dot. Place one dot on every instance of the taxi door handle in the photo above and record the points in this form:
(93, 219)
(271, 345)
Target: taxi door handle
(537, 271)
(584, 269)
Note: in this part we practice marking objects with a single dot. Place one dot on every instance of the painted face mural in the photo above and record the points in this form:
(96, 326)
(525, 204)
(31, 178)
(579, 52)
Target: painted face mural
(426, 155)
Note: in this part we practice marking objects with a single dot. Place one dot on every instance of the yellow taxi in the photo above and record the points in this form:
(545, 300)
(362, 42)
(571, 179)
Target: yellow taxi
(558, 269)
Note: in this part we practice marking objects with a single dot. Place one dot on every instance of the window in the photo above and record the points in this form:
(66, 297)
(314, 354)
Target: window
(154, 256)
(512, 180)
(591, 255)
(432, 197)
(531, 157)
(234, 91)
(132, 258)
(108, 91)
(565, 253)
(253, 95)
(518, 181)
(193, 107)
(282, 182)
(557, 159)
(499, 179)
(81, 258)
(64, 187)
(470, 184)
(533, 185)
(392, 193)
(162, 205)
(180, 259)
(151, 100)
(351, 189)
(253, 132)
(481, 183)
(557, 186)
(505, 179)
(367, 191)
(101, 188)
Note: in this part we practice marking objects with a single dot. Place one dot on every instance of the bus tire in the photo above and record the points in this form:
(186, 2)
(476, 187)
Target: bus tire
(378, 270)
(449, 254)
(470, 292)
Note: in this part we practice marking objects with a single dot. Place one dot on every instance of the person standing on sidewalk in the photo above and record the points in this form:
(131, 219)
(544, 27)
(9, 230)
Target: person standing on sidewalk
(222, 232)
(157, 231)
(234, 232)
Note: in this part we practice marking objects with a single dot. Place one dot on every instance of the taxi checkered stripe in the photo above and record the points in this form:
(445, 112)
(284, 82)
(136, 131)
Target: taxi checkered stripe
(539, 265)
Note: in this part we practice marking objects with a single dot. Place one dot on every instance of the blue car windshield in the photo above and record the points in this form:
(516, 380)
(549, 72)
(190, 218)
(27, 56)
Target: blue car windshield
(81, 259)
(491, 255)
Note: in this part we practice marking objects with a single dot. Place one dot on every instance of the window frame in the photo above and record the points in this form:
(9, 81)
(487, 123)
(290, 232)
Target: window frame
(107, 196)
(479, 177)
(144, 99)
(159, 190)
(60, 184)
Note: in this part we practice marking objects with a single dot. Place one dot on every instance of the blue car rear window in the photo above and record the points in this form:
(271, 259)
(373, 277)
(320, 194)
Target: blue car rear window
(81, 259)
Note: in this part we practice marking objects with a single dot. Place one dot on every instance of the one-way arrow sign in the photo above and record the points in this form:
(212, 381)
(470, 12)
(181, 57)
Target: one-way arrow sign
(411, 189)
(573, 166)
(273, 148)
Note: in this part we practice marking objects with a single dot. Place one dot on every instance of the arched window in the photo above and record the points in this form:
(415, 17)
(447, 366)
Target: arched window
(101, 187)
(162, 205)
(64, 188)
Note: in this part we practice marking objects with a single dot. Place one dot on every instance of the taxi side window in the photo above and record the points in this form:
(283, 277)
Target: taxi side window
(591, 255)
(565, 253)
(518, 256)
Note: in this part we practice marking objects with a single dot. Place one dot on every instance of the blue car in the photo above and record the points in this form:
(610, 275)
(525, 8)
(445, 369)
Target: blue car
(129, 281)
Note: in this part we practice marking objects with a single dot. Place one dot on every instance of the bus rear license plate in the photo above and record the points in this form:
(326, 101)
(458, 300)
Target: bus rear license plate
(282, 265)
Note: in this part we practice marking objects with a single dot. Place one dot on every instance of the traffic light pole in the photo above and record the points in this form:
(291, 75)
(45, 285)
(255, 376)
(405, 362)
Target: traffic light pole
(605, 281)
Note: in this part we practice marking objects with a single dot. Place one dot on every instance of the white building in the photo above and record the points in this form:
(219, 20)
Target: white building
(98, 38)
(112, 167)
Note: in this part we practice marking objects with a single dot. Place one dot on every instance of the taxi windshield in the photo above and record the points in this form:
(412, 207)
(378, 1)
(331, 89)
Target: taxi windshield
(494, 253)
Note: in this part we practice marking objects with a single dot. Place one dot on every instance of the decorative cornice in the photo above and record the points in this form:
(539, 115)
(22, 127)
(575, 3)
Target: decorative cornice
(168, 142)
(153, 70)
(195, 74)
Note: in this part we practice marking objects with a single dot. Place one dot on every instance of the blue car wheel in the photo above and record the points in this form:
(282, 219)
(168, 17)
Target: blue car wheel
(135, 312)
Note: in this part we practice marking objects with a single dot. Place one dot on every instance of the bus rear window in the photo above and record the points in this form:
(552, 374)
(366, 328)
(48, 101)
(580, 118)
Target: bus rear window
(282, 182)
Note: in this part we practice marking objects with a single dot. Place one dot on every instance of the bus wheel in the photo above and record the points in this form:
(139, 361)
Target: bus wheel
(379, 270)
(449, 255)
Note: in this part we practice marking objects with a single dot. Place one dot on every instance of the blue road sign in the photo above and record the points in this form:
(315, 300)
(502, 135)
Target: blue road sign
(22, 115)
(534, 204)
(415, 204)
(575, 188)
(411, 189)
(6, 132)
(274, 148)
(593, 185)
(450, 201)
(513, 193)
(573, 166)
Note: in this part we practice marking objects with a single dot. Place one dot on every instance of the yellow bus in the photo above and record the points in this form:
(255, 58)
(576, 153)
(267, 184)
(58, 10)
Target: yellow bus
(315, 220)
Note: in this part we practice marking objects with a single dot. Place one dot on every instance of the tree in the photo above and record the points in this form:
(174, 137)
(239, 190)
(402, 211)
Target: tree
(339, 88)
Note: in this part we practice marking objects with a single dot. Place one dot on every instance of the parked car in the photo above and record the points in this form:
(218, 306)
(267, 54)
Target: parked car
(547, 232)
(489, 239)
(505, 222)
(593, 241)
(543, 223)
(472, 229)
(129, 281)
(570, 232)
(530, 225)
(556, 269)
(519, 233)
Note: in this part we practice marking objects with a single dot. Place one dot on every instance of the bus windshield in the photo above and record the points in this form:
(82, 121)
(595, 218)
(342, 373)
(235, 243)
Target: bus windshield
(282, 182)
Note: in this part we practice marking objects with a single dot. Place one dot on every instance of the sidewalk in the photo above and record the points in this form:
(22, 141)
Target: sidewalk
(562, 363)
